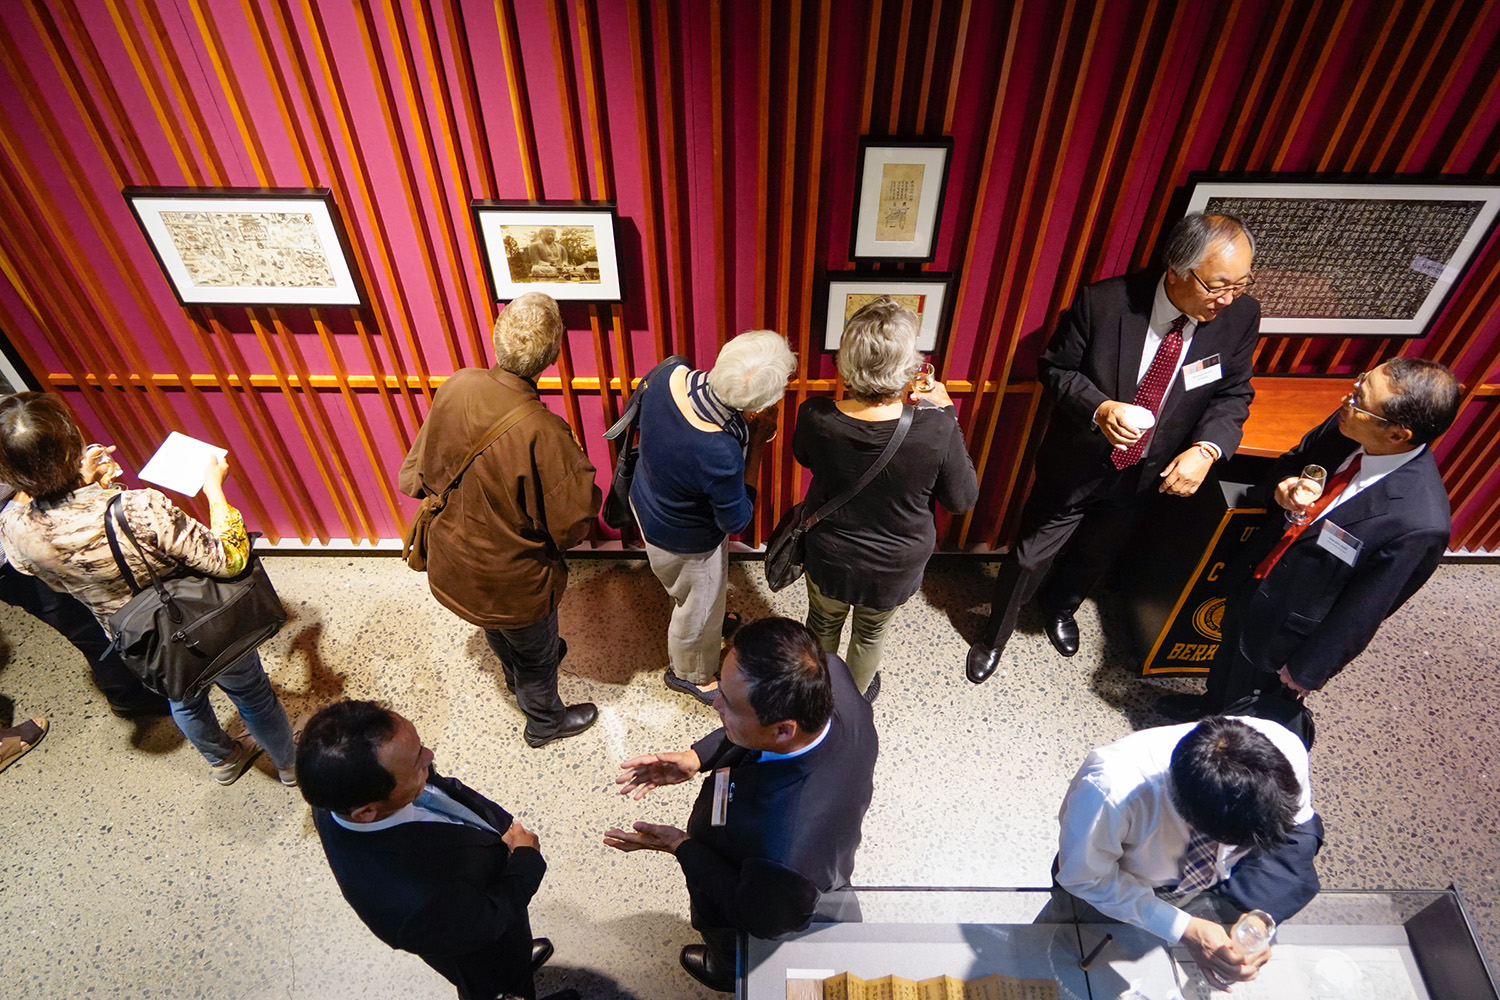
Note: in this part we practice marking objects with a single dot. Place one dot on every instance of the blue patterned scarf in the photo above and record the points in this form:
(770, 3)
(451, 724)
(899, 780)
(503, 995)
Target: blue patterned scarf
(708, 406)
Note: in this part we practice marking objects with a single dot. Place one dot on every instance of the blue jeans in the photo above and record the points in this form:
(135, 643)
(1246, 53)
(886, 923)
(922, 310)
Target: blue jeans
(250, 690)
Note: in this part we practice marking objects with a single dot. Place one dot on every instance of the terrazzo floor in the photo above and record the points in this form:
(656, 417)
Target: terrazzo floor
(126, 872)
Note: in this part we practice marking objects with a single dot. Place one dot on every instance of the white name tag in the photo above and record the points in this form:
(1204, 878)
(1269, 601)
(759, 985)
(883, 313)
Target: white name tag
(722, 787)
(1339, 542)
(1201, 373)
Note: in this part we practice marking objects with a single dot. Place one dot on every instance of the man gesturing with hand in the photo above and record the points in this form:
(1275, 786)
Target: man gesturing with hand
(777, 820)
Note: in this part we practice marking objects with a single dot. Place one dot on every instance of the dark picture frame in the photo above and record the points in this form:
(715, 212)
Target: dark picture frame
(839, 287)
(15, 376)
(282, 247)
(519, 258)
(900, 185)
(1354, 257)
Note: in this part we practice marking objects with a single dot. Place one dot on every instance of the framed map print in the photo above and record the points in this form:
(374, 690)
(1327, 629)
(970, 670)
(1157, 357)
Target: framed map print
(1350, 258)
(899, 199)
(848, 293)
(247, 246)
(566, 249)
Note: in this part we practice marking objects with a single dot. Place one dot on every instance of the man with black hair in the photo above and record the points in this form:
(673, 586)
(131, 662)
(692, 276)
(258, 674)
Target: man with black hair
(431, 866)
(778, 823)
(1179, 829)
(1317, 592)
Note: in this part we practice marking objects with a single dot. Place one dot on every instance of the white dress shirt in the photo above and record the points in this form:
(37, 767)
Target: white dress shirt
(1372, 469)
(1122, 838)
(433, 805)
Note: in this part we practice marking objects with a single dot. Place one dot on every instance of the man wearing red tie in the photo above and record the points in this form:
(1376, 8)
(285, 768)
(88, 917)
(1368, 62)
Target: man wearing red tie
(1318, 590)
(1149, 375)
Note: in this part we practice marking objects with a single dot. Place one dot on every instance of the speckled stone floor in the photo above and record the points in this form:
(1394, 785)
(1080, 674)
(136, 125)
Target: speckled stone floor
(125, 872)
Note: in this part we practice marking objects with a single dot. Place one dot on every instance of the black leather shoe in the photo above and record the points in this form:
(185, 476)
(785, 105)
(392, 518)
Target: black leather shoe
(873, 691)
(1062, 632)
(576, 718)
(1183, 707)
(541, 950)
(695, 960)
(981, 662)
(144, 708)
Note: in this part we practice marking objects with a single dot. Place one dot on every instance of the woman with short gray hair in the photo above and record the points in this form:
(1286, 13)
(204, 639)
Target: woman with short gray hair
(701, 435)
(869, 554)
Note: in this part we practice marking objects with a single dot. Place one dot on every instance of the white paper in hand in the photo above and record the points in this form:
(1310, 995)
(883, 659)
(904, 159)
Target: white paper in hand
(179, 464)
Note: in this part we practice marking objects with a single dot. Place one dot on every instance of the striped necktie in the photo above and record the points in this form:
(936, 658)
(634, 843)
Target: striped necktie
(1200, 864)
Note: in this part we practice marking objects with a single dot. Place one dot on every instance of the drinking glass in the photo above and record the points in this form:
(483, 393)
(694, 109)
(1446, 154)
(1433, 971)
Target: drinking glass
(1252, 933)
(1308, 488)
(925, 377)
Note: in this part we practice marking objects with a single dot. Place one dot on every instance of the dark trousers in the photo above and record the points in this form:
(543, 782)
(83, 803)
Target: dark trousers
(529, 657)
(1233, 675)
(77, 624)
(1092, 529)
(502, 969)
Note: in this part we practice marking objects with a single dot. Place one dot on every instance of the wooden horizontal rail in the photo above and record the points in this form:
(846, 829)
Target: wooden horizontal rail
(329, 383)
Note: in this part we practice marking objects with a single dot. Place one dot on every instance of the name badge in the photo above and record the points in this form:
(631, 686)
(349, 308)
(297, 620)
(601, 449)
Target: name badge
(1201, 373)
(722, 789)
(1339, 542)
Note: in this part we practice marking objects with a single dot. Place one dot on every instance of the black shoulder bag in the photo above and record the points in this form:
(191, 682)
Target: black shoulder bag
(182, 633)
(786, 550)
(616, 511)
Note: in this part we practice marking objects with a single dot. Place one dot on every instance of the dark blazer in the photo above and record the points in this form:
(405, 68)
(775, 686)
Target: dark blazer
(792, 826)
(1313, 613)
(1280, 881)
(454, 895)
(1094, 356)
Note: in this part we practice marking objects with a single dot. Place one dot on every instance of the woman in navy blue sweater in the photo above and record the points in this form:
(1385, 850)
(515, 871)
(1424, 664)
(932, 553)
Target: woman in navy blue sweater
(700, 446)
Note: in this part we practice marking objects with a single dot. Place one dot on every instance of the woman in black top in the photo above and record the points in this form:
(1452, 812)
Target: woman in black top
(870, 553)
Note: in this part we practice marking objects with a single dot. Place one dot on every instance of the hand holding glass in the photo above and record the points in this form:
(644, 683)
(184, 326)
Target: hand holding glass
(1308, 488)
(926, 375)
(1252, 933)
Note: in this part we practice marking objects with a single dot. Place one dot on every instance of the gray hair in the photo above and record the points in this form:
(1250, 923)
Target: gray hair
(1195, 234)
(751, 371)
(528, 334)
(878, 351)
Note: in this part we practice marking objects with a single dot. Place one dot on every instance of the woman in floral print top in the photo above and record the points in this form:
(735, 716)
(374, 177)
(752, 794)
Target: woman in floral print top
(55, 532)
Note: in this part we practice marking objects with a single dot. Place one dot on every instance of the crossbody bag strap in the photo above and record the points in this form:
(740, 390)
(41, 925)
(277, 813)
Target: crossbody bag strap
(633, 408)
(489, 437)
(114, 513)
(881, 461)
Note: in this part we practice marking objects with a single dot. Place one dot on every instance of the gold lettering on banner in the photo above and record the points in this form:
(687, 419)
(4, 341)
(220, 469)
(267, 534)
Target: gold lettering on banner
(1213, 573)
(900, 199)
(1193, 651)
(1245, 533)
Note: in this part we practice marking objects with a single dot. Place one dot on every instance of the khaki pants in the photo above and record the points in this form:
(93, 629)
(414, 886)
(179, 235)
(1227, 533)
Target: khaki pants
(825, 616)
(696, 582)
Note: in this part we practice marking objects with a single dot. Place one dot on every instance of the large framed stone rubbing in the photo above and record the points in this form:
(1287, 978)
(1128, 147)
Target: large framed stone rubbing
(248, 246)
(1349, 258)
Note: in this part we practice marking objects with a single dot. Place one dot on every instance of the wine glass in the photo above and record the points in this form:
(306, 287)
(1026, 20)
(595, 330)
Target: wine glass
(1309, 487)
(1252, 933)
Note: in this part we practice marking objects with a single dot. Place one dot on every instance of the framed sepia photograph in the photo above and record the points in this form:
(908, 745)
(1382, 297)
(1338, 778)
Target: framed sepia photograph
(899, 198)
(14, 376)
(566, 249)
(927, 296)
(248, 246)
(1351, 258)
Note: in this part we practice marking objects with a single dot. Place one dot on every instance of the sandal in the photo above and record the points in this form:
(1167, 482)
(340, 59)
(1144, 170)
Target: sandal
(732, 623)
(688, 687)
(16, 741)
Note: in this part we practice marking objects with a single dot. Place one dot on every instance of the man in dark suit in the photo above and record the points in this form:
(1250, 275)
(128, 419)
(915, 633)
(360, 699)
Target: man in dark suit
(431, 866)
(1149, 377)
(1180, 829)
(777, 824)
(1316, 593)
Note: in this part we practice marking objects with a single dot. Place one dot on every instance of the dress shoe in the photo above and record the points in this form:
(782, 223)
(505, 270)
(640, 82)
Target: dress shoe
(576, 718)
(541, 950)
(981, 662)
(1062, 632)
(1183, 707)
(695, 959)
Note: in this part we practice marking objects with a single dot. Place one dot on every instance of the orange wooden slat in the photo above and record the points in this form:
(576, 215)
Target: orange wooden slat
(1393, 72)
(674, 191)
(1356, 101)
(1308, 85)
(898, 67)
(763, 159)
(520, 105)
(1413, 86)
(954, 74)
(720, 176)
(872, 60)
(1229, 153)
(126, 29)
(934, 22)
(653, 265)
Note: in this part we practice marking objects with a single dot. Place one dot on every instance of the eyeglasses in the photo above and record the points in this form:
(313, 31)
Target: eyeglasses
(1235, 290)
(1350, 396)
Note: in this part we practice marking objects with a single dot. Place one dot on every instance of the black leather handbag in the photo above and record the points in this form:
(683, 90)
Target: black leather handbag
(179, 635)
(616, 512)
(786, 549)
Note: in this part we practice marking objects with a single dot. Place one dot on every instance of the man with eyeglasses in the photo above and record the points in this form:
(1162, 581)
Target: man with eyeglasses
(1149, 375)
(1316, 593)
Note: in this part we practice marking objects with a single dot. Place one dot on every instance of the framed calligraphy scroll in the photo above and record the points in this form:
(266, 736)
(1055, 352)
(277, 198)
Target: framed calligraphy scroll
(1349, 258)
(900, 198)
(925, 294)
(248, 246)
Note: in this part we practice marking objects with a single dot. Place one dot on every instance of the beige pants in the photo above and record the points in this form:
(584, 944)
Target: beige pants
(697, 583)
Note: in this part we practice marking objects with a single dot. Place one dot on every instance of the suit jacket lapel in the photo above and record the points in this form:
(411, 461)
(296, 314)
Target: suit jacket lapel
(1132, 346)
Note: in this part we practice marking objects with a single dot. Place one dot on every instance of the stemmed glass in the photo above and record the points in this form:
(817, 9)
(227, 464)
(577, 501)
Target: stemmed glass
(1308, 488)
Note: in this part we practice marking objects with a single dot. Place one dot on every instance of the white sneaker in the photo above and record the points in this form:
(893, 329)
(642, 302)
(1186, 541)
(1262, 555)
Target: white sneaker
(229, 772)
(288, 776)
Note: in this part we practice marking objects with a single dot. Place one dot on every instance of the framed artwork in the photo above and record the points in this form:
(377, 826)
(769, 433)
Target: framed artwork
(927, 296)
(566, 249)
(899, 199)
(1354, 258)
(14, 376)
(248, 246)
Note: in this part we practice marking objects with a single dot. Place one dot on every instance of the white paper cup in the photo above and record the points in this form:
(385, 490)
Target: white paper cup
(1139, 418)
